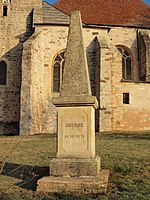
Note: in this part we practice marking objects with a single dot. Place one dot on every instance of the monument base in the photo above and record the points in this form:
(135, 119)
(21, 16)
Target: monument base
(75, 167)
(75, 185)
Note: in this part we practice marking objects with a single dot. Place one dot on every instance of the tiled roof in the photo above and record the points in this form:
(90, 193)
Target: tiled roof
(110, 12)
(53, 15)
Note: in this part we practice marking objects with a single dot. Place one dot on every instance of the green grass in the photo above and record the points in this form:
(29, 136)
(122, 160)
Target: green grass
(126, 155)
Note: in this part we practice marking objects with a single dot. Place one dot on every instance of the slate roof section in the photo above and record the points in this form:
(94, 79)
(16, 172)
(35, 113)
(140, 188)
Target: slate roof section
(52, 15)
(109, 12)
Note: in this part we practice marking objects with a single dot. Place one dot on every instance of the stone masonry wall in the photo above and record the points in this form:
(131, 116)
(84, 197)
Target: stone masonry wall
(15, 28)
(93, 57)
(135, 115)
(30, 73)
(142, 57)
(38, 113)
(31, 87)
(146, 39)
(55, 40)
(106, 73)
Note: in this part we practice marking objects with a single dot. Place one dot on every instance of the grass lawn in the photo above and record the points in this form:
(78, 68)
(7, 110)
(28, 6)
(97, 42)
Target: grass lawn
(126, 155)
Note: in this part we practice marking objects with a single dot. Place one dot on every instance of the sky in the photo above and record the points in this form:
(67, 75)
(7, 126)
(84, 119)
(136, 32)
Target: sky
(147, 1)
(53, 1)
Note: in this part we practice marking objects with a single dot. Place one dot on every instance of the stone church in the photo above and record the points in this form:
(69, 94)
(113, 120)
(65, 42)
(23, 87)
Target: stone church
(33, 38)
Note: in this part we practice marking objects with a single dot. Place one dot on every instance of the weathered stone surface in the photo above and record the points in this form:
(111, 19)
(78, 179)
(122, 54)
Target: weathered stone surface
(76, 132)
(76, 185)
(76, 136)
(31, 94)
(145, 53)
(76, 111)
(76, 75)
(15, 29)
(68, 101)
(75, 167)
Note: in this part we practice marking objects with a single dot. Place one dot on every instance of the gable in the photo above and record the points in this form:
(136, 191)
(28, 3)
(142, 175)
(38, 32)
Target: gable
(53, 15)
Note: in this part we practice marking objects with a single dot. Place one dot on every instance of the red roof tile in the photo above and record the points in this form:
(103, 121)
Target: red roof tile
(115, 12)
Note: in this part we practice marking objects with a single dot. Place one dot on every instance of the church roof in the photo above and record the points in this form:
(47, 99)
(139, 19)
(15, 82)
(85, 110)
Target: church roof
(53, 15)
(109, 12)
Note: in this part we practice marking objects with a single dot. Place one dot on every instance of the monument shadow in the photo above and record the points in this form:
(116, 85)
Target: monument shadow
(27, 174)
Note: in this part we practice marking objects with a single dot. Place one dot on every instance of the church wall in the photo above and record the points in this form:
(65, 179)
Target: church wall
(135, 115)
(142, 57)
(55, 39)
(27, 97)
(109, 88)
(96, 44)
(38, 115)
(105, 90)
(146, 38)
(31, 87)
(113, 114)
(15, 28)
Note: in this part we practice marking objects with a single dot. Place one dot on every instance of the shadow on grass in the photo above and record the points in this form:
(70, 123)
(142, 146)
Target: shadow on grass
(127, 135)
(29, 175)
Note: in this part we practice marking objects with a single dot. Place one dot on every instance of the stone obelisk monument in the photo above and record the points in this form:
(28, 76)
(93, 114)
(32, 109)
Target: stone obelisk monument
(76, 167)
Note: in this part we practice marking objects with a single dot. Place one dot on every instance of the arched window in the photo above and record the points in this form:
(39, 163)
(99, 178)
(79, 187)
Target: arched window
(58, 69)
(127, 63)
(3, 73)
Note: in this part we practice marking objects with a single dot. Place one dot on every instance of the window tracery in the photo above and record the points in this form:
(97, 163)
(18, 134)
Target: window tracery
(127, 63)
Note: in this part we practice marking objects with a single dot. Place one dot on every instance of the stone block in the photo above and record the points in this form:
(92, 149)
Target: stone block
(75, 167)
(67, 101)
(76, 132)
(74, 185)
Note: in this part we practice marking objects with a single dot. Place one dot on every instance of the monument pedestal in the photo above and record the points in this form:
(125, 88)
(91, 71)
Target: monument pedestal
(76, 168)
(77, 185)
(76, 126)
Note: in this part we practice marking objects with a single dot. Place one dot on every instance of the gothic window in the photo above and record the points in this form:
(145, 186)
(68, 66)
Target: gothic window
(58, 69)
(127, 63)
(3, 73)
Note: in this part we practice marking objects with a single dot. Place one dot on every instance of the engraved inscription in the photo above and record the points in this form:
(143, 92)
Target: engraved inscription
(74, 125)
(74, 131)
(74, 136)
